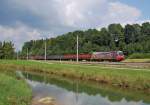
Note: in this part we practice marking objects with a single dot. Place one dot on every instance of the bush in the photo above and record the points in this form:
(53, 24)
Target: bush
(140, 56)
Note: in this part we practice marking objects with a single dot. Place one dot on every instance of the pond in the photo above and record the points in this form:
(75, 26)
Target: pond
(74, 92)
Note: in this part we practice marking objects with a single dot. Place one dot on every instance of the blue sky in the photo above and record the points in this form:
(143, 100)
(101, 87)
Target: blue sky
(24, 20)
(143, 5)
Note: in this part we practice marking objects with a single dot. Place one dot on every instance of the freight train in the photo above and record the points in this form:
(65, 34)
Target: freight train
(96, 56)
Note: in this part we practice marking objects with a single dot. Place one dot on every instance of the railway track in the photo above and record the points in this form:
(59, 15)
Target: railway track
(117, 65)
(121, 64)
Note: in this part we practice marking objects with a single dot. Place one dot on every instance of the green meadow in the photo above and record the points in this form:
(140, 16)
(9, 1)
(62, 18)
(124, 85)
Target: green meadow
(122, 77)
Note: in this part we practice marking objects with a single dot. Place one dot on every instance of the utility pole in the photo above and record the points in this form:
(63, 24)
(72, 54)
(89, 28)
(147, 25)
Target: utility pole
(45, 50)
(17, 56)
(77, 49)
(27, 53)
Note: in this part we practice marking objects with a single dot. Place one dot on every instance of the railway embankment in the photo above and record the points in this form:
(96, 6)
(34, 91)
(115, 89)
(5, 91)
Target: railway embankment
(123, 78)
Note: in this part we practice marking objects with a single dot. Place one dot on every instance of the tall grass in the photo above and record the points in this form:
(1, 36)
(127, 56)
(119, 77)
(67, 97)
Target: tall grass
(125, 77)
(13, 91)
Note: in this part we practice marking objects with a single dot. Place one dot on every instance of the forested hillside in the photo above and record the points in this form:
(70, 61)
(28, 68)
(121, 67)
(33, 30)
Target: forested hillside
(130, 39)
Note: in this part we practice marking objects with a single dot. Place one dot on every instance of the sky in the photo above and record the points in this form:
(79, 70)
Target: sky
(25, 20)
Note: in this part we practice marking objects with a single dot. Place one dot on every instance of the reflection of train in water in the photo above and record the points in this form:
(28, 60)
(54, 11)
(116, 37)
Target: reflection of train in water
(96, 56)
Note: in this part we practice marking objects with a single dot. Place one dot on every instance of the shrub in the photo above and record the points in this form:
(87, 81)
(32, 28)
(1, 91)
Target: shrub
(140, 56)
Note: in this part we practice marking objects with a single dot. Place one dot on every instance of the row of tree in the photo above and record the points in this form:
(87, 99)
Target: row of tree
(7, 50)
(130, 39)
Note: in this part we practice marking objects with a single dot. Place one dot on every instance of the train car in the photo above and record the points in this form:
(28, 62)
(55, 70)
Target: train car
(80, 56)
(37, 57)
(109, 56)
(50, 57)
(85, 56)
(55, 57)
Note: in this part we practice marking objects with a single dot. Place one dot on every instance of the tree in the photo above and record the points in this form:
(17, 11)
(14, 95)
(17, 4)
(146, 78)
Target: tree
(117, 34)
(1, 50)
(8, 50)
(145, 31)
(87, 47)
(103, 38)
(146, 28)
(132, 33)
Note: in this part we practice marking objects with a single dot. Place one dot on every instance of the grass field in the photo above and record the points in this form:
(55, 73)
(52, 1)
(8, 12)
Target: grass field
(13, 91)
(137, 60)
(125, 77)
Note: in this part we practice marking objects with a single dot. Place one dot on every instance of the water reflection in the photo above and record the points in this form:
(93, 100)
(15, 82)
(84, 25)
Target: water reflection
(74, 92)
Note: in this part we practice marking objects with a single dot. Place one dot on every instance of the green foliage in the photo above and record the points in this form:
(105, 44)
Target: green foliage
(132, 33)
(139, 56)
(130, 39)
(6, 50)
(1, 50)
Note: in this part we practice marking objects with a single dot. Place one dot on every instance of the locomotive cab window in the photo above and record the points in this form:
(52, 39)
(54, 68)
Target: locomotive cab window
(120, 53)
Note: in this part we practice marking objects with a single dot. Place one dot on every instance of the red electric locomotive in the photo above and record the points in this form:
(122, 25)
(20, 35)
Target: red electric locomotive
(110, 56)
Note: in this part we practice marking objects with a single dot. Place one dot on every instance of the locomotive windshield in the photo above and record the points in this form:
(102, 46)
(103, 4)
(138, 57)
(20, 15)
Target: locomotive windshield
(120, 53)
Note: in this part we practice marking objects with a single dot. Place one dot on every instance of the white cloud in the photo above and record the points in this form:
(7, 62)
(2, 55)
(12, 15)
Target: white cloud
(18, 34)
(119, 12)
(60, 16)
(79, 13)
